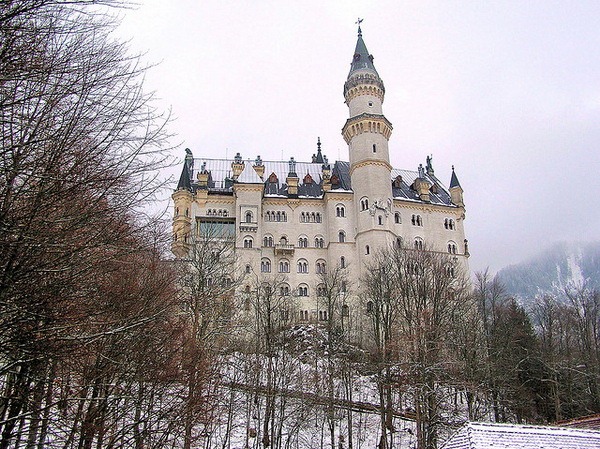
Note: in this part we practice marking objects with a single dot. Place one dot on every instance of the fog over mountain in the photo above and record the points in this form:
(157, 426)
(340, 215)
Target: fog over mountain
(561, 265)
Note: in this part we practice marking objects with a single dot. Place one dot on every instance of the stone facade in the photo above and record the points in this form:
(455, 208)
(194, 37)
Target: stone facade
(292, 220)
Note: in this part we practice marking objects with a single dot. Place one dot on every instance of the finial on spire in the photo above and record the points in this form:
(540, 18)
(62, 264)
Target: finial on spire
(318, 158)
(358, 22)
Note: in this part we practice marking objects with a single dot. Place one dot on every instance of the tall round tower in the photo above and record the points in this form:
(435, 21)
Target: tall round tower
(367, 132)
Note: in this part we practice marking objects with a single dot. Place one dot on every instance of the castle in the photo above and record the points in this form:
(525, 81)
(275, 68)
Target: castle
(298, 219)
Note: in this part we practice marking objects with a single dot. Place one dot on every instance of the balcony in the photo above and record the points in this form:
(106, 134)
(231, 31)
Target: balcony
(284, 249)
(248, 227)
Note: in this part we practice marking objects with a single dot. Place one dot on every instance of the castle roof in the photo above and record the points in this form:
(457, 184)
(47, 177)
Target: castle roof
(454, 179)
(362, 59)
(310, 184)
(249, 176)
(513, 436)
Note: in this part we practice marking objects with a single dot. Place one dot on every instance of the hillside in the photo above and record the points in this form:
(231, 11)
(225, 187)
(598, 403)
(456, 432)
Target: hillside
(560, 265)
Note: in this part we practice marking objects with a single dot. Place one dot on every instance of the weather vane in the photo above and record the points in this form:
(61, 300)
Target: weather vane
(358, 22)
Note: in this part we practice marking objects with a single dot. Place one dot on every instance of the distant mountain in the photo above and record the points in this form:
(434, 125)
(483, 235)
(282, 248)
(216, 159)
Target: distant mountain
(561, 265)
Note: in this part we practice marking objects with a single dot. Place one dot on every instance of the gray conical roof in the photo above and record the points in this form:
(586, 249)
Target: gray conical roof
(185, 180)
(362, 59)
(454, 179)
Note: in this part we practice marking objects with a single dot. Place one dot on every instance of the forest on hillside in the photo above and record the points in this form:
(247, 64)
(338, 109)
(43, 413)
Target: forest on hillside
(105, 342)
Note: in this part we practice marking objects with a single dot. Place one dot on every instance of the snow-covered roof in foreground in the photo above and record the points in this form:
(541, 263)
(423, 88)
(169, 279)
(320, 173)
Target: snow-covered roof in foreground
(513, 436)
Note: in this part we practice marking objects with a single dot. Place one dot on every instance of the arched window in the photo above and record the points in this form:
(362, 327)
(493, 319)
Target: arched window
(302, 266)
(374, 148)
(319, 242)
(265, 266)
(364, 203)
(416, 220)
(418, 243)
(304, 315)
(380, 220)
(303, 242)
(321, 291)
(318, 217)
(303, 290)
(283, 216)
(248, 217)
(283, 240)
(341, 236)
(446, 223)
(248, 242)
(313, 218)
(284, 266)
(367, 250)
(247, 268)
(370, 307)
(451, 248)
(278, 216)
(345, 310)
(323, 315)
(342, 262)
(268, 241)
(340, 211)
(397, 218)
(321, 268)
(284, 290)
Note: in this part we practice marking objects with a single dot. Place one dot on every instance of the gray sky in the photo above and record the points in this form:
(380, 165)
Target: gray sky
(507, 91)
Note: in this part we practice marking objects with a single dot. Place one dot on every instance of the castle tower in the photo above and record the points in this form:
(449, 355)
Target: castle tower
(367, 132)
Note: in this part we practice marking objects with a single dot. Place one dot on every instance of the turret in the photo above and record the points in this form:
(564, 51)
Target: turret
(367, 132)
(259, 167)
(456, 191)
(422, 185)
(182, 217)
(237, 166)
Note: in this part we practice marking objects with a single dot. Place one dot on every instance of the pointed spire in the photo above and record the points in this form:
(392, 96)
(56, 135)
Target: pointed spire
(185, 179)
(362, 59)
(319, 157)
(454, 179)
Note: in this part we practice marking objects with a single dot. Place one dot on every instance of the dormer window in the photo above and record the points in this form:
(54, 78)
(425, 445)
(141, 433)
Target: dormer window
(308, 179)
(273, 178)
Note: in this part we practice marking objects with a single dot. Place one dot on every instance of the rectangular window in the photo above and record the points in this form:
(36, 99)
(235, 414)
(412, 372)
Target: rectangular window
(217, 228)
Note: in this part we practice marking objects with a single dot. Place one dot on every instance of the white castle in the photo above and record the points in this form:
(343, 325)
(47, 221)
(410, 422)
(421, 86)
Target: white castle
(298, 219)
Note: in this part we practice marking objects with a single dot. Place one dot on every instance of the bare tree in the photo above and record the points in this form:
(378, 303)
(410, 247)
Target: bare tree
(414, 298)
(80, 154)
(333, 291)
(207, 304)
(382, 304)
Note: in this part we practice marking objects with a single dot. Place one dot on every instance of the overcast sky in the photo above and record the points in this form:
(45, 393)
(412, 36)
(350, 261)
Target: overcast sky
(507, 91)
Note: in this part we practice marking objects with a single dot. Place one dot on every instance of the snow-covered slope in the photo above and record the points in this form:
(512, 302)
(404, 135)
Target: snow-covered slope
(560, 266)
